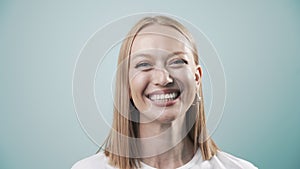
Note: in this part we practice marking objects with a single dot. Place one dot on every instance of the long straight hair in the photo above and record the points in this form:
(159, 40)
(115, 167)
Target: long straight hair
(120, 150)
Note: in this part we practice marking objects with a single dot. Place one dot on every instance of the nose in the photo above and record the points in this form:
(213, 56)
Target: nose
(162, 77)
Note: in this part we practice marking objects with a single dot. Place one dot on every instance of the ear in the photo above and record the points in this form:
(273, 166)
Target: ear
(198, 75)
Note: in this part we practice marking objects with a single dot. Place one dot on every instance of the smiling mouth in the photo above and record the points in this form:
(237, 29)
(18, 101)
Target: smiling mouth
(163, 96)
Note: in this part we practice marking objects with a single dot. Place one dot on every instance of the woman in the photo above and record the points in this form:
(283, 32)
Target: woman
(159, 119)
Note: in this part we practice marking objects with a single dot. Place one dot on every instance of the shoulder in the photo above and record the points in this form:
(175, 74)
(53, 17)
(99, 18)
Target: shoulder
(96, 161)
(225, 160)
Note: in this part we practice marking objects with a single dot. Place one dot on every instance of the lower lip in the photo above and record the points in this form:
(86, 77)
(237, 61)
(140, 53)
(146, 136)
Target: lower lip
(164, 103)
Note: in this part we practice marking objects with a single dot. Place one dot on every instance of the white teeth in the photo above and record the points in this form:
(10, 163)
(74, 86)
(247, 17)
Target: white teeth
(168, 96)
(163, 96)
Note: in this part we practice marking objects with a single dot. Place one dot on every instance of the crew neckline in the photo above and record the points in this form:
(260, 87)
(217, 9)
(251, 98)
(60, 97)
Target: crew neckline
(187, 165)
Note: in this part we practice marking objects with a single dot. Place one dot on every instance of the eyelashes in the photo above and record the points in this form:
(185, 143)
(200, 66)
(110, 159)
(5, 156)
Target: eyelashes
(146, 65)
(143, 64)
(179, 61)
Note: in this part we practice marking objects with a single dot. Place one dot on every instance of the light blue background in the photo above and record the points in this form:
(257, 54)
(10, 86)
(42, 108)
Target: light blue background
(258, 43)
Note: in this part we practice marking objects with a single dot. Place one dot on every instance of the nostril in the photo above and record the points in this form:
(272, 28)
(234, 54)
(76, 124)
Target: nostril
(162, 77)
(169, 82)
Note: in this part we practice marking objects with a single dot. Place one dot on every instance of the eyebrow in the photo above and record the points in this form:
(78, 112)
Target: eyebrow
(149, 55)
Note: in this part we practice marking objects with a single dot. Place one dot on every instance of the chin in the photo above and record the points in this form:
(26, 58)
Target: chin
(165, 120)
(167, 117)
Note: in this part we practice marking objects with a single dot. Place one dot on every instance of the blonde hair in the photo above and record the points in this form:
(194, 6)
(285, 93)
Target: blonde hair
(122, 152)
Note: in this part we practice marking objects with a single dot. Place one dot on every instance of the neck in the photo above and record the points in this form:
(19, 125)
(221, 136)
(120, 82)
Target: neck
(165, 145)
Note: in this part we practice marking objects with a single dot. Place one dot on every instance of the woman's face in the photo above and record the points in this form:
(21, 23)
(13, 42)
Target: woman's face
(163, 77)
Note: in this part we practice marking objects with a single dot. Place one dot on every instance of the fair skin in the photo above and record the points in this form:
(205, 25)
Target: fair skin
(163, 80)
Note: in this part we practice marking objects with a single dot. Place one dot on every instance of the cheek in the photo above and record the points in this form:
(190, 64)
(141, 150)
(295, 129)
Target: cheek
(186, 76)
(187, 79)
(138, 83)
(190, 84)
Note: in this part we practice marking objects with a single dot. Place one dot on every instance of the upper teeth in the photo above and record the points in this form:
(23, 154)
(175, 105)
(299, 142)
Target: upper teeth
(163, 96)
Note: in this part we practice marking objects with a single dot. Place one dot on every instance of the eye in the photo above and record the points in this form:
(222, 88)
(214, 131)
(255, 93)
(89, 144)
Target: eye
(143, 65)
(179, 61)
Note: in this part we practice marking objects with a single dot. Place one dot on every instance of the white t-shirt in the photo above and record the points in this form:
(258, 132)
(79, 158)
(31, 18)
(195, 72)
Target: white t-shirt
(221, 160)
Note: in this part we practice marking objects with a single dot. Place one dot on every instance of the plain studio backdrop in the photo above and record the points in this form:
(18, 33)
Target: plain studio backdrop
(257, 41)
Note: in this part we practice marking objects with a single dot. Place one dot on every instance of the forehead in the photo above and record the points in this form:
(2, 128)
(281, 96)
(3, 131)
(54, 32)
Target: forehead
(159, 38)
